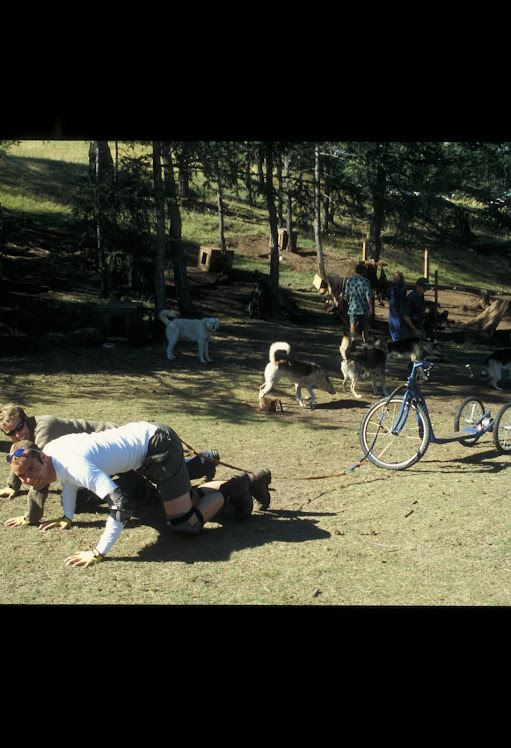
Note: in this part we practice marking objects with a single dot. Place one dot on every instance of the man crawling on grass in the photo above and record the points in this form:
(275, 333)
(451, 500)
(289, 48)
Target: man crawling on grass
(17, 426)
(152, 449)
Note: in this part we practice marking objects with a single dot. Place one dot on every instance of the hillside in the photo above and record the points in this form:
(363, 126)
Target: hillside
(50, 292)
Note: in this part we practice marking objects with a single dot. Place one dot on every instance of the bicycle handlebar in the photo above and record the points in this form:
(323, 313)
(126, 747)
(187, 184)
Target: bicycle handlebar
(426, 365)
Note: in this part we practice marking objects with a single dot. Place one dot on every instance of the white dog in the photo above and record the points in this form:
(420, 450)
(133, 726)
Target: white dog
(199, 330)
(302, 373)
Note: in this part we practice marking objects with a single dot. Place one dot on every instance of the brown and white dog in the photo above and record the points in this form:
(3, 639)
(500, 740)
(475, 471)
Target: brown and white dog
(199, 330)
(497, 364)
(302, 373)
(363, 359)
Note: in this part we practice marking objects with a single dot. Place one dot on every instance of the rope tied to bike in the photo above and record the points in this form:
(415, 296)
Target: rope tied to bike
(363, 460)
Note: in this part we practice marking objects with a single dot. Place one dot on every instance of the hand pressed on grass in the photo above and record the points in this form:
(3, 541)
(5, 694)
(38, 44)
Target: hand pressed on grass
(64, 523)
(84, 558)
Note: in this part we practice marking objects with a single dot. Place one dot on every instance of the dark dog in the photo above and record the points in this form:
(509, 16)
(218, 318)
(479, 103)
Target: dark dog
(367, 359)
(414, 349)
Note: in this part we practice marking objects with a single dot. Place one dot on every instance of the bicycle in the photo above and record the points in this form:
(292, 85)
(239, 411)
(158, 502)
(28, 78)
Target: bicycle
(256, 303)
(397, 430)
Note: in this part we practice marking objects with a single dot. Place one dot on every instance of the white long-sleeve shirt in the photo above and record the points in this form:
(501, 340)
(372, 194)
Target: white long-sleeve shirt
(88, 461)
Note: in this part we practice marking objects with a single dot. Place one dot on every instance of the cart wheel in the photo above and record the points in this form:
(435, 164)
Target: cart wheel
(469, 412)
(502, 430)
(388, 445)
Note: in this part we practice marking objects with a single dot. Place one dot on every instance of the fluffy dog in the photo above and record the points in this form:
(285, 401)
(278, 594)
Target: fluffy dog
(497, 364)
(199, 330)
(366, 360)
(413, 348)
(302, 373)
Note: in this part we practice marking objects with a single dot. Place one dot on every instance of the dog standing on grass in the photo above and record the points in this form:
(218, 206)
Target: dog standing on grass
(199, 330)
(364, 360)
(302, 373)
(497, 364)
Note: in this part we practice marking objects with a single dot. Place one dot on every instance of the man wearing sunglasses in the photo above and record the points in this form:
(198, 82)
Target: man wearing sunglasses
(41, 430)
(152, 449)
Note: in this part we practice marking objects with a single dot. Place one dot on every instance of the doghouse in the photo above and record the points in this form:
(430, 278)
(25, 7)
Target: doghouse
(283, 239)
(122, 319)
(212, 260)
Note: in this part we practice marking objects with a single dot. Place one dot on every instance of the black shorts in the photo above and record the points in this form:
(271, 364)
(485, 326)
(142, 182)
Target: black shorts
(165, 464)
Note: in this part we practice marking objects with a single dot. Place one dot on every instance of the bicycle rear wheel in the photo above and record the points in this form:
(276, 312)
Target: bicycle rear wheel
(388, 445)
(469, 411)
(502, 430)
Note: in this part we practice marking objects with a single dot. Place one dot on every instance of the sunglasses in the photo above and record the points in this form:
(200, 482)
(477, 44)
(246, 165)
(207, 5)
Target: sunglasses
(18, 428)
(21, 451)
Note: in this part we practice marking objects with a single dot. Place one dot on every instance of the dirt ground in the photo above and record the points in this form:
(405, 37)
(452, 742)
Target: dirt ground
(34, 293)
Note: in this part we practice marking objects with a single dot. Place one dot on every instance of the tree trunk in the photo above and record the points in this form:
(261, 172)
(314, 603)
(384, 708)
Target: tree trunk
(184, 301)
(317, 212)
(280, 192)
(159, 261)
(274, 234)
(289, 219)
(100, 168)
(101, 164)
(378, 217)
(221, 236)
(248, 176)
(183, 184)
(260, 169)
(327, 206)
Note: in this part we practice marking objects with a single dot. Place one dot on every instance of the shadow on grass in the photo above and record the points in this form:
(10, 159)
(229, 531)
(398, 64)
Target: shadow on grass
(220, 540)
(482, 461)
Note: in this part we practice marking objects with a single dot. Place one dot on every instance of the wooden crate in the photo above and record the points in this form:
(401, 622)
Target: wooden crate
(283, 239)
(122, 319)
(211, 260)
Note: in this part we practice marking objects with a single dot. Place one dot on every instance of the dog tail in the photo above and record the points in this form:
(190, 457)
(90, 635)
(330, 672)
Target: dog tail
(279, 347)
(345, 344)
(166, 315)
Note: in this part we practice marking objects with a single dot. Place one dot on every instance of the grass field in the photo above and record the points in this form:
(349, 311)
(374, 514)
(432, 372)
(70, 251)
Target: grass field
(436, 535)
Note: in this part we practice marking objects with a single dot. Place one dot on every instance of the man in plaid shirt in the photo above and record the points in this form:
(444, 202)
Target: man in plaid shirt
(359, 294)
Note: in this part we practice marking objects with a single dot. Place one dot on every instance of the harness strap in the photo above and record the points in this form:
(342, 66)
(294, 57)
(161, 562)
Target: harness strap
(217, 462)
(186, 517)
(362, 461)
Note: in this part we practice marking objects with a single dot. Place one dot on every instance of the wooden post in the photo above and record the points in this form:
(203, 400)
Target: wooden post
(364, 251)
(426, 263)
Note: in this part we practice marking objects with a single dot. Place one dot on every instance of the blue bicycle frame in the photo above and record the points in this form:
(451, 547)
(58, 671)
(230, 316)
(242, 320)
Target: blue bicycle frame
(414, 396)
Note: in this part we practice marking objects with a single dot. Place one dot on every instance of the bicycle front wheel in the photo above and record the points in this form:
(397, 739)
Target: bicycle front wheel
(502, 430)
(392, 445)
(469, 411)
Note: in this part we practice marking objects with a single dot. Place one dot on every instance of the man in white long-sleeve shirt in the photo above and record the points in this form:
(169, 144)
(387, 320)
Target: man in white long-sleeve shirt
(154, 450)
